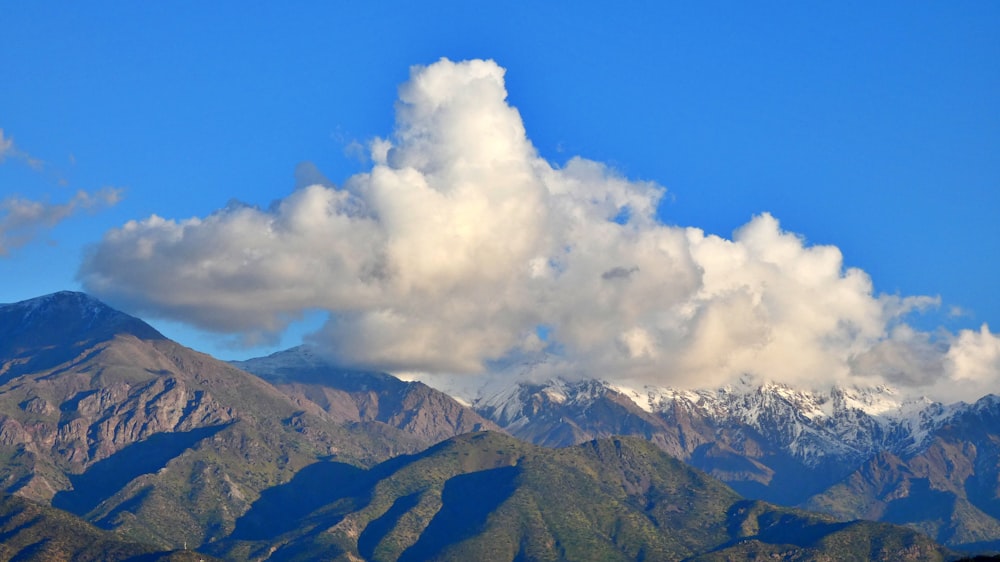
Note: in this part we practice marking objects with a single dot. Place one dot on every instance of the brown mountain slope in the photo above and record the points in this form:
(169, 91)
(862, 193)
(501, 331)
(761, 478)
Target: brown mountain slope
(104, 417)
(360, 396)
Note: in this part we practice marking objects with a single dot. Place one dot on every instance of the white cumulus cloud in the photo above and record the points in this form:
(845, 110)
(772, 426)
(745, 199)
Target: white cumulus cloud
(461, 248)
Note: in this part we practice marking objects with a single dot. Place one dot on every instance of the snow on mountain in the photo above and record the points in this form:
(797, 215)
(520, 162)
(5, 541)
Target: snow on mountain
(843, 421)
(45, 331)
(515, 404)
(78, 306)
(843, 424)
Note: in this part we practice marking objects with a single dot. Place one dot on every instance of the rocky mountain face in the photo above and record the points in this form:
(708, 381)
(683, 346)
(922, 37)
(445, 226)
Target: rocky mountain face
(102, 416)
(360, 396)
(488, 496)
(855, 453)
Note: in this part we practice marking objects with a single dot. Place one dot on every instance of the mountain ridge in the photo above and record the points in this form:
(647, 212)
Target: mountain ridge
(104, 417)
(363, 396)
(771, 441)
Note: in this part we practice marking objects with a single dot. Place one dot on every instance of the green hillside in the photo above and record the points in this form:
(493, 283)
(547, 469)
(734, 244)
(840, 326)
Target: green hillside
(32, 532)
(488, 496)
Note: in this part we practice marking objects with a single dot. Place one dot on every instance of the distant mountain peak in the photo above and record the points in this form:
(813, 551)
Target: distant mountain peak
(61, 299)
(291, 359)
(848, 422)
(64, 321)
(304, 364)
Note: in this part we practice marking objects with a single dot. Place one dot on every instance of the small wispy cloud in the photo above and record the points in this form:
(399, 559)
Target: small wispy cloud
(22, 220)
(9, 150)
(6, 146)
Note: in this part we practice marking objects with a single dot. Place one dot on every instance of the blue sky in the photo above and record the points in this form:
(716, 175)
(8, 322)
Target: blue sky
(874, 128)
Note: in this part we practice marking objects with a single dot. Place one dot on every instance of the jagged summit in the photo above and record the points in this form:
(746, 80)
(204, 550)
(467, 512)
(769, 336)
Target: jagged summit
(755, 435)
(844, 422)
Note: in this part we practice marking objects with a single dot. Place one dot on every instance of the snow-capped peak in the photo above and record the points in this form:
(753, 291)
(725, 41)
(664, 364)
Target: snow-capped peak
(843, 422)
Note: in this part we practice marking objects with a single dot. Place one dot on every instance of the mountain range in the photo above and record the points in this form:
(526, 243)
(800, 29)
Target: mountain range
(850, 452)
(106, 422)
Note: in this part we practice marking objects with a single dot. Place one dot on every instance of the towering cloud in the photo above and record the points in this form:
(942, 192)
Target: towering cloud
(461, 248)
